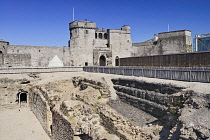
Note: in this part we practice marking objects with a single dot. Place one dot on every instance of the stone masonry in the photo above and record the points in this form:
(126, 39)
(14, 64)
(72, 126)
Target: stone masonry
(165, 43)
(91, 46)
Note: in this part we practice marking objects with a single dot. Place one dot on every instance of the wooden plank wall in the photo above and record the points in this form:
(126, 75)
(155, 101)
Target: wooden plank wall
(196, 59)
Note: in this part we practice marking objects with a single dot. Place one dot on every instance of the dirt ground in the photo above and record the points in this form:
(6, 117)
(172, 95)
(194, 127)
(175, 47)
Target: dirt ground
(20, 124)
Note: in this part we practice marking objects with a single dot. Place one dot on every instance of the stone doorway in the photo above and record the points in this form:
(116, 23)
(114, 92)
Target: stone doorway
(22, 98)
(102, 61)
(116, 61)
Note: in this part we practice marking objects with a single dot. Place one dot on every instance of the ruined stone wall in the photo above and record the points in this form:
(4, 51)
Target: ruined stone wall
(8, 91)
(40, 55)
(154, 99)
(38, 106)
(53, 122)
(61, 127)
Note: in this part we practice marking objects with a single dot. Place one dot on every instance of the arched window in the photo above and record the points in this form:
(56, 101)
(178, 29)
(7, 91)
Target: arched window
(100, 35)
(102, 61)
(105, 35)
(96, 35)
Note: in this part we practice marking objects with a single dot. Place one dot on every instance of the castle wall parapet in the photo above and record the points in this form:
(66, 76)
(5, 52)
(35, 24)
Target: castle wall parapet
(82, 24)
(174, 33)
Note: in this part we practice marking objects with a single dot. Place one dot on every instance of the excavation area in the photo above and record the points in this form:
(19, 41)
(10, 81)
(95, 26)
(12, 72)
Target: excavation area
(93, 106)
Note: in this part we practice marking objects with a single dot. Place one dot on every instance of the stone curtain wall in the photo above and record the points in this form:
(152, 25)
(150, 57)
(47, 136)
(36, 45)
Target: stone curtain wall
(61, 128)
(14, 60)
(40, 55)
(166, 43)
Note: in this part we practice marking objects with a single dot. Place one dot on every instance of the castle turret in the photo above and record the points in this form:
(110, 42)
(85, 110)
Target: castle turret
(82, 34)
(126, 28)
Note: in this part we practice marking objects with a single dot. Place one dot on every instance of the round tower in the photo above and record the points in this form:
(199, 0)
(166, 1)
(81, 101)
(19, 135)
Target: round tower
(82, 34)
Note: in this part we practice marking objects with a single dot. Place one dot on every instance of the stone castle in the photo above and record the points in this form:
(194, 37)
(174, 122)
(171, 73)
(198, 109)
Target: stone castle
(90, 46)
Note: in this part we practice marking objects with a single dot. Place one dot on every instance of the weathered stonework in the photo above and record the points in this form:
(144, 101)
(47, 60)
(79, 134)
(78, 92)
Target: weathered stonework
(157, 100)
(90, 46)
(61, 128)
(165, 43)
(40, 107)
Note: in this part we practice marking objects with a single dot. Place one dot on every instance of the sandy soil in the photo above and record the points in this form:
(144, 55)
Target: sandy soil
(20, 125)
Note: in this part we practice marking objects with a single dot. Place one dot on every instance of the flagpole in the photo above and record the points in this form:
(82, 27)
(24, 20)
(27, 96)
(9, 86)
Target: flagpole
(168, 27)
(73, 13)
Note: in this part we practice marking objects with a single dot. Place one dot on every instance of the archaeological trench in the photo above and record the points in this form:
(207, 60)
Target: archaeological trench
(83, 108)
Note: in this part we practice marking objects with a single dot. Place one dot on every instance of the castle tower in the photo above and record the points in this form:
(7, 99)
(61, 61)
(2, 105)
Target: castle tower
(82, 35)
(121, 43)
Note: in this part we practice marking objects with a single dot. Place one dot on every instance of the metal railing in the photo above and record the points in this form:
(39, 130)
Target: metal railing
(181, 74)
(172, 73)
(20, 70)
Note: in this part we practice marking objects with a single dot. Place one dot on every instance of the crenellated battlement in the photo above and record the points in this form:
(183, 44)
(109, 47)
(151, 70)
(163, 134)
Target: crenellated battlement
(82, 24)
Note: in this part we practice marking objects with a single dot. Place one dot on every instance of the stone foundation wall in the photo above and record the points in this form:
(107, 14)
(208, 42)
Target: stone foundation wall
(155, 99)
(83, 83)
(54, 123)
(38, 106)
(61, 127)
(108, 123)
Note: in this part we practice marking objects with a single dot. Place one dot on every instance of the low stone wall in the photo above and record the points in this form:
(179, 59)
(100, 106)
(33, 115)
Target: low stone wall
(61, 127)
(83, 83)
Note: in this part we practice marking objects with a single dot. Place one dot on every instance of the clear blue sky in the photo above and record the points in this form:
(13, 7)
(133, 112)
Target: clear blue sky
(45, 22)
